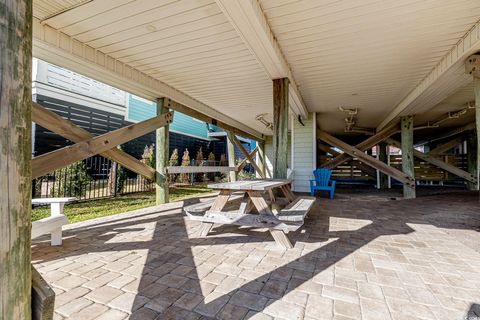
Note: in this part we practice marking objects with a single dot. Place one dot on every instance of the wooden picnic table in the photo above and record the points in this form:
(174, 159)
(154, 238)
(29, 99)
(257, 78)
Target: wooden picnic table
(251, 195)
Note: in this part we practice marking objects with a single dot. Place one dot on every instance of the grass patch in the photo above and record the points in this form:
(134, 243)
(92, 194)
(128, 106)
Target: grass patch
(87, 210)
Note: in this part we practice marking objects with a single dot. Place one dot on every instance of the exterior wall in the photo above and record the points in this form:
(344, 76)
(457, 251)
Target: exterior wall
(54, 76)
(139, 109)
(304, 152)
(98, 122)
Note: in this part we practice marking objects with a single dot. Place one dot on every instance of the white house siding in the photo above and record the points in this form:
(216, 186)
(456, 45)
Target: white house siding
(59, 83)
(304, 157)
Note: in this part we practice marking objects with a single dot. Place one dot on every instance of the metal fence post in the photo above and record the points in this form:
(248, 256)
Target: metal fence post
(115, 167)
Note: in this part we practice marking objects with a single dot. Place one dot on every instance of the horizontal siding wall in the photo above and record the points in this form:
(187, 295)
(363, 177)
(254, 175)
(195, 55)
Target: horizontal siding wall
(140, 109)
(303, 153)
(58, 77)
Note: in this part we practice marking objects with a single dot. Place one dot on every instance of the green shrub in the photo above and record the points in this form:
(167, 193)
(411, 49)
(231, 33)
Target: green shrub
(71, 181)
(172, 163)
(199, 159)
(211, 162)
(185, 177)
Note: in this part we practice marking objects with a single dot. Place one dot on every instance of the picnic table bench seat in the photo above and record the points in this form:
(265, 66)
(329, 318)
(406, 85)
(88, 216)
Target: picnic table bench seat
(296, 210)
(197, 210)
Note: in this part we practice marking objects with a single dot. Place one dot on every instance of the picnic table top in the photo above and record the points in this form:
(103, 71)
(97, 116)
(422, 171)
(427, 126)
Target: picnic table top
(257, 185)
(52, 200)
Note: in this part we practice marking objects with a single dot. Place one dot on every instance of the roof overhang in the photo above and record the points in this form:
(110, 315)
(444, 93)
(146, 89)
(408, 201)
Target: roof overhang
(58, 48)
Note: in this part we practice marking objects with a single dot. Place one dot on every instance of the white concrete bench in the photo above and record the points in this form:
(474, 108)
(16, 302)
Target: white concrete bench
(297, 210)
(54, 223)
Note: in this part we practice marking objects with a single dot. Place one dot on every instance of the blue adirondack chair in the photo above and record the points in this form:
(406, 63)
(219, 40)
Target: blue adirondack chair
(322, 182)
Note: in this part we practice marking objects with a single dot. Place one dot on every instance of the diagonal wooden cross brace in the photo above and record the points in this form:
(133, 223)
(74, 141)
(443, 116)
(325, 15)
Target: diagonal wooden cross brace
(368, 170)
(365, 145)
(243, 163)
(365, 158)
(439, 163)
(67, 129)
(51, 161)
(446, 146)
(247, 156)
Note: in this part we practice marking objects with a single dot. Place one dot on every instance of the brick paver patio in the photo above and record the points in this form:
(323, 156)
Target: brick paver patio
(356, 258)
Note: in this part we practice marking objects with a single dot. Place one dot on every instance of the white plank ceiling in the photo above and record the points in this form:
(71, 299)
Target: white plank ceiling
(368, 54)
(188, 44)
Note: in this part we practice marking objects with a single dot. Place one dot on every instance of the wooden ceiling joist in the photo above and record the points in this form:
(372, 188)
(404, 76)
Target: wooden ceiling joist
(366, 144)
(60, 158)
(368, 160)
(67, 129)
(439, 163)
(203, 117)
(248, 19)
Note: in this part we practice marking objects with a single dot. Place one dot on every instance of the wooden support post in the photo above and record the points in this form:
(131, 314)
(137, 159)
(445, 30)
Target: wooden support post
(472, 66)
(60, 158)
(261, 161)
(476, 86)
(383, 156)
(472, 146)
(408, 165)
(161, 157)
(231, 155)
(15, 158)
(280, 128)
(67, 129)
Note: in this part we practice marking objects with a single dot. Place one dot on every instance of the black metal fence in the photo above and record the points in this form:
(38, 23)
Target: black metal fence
(98, 177)
(93, 178)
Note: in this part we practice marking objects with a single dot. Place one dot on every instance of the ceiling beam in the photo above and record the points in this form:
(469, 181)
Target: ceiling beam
(247, 17)
(202, 117)
(442, 81)
(60, 49)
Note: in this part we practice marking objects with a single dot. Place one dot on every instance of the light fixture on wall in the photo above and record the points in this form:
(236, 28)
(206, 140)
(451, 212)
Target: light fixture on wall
(261, 118)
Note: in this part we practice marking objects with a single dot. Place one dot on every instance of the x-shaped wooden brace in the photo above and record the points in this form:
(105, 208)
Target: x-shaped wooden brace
(87, 145)
(365, 158)
(437, 162)
(248, 157)
(368, 170)
(244, 162)
(365, 145)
